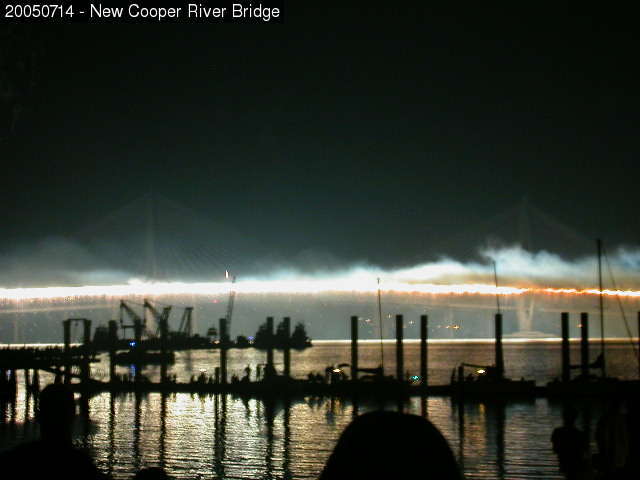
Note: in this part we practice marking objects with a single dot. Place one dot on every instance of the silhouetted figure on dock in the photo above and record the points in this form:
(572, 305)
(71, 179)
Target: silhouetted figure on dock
(570, 444)
(327, 373)
(391, 445)
(612, 437)
(269, 372)
(53, 455)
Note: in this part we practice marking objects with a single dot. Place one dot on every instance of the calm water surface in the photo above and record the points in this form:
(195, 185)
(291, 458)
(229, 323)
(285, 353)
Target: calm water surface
(223, 437)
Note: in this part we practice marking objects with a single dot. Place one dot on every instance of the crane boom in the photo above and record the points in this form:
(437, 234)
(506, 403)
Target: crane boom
(232, 297)
(185, 322)
(158, 317)
(124, 308)
(130, 312)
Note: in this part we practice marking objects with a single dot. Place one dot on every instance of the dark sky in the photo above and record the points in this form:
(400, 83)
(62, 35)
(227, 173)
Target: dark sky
(385, 135)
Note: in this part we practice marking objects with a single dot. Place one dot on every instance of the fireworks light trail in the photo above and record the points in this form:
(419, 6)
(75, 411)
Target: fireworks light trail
(292, 287)
(524, 273)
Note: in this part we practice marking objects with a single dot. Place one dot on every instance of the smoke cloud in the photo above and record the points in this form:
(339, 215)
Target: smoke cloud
(515, 267)
(62, 262)
(317, 288)
(56, 261)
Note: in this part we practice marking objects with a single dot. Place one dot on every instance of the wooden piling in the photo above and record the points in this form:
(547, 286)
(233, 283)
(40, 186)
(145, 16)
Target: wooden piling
(584, 344)
(424, 359)
(164, 333)
(566, 360)
(113, 345)
(66, 326)
(137, 331)
(498, 346)
(286, 352)
(224, 343)
(35, 381)
(137, 336)
(399, 348)
(270, 367)
(354, 348)
(86, 333)
(86, 347)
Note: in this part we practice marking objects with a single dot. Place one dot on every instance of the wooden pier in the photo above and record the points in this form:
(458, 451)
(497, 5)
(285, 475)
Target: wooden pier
(65, 362)
(69, 363)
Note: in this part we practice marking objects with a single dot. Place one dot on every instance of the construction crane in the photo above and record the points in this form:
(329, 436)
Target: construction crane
(138, 323)
(232, 297)
(185, 322)
(158, 317)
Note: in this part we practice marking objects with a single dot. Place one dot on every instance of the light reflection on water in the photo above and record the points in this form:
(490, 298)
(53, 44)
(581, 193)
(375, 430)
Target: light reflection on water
(219, 436)
(539, 361)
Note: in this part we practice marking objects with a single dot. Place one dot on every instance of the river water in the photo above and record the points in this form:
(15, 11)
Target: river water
(223, 437)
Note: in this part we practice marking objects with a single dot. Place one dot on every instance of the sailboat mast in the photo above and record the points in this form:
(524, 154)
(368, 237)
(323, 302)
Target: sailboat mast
(495, 277)
(599, 243)
(380, 320)
(498, 328)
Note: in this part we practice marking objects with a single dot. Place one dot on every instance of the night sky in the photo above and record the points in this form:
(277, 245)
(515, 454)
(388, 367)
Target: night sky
(385, 135)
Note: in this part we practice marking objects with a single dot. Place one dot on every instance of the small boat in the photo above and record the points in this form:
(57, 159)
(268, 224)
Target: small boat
(588, 383)
(489, 380)
(485, 380)
(143, 357)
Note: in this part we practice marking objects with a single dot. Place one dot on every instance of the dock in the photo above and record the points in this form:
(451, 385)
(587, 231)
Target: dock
(72, 363)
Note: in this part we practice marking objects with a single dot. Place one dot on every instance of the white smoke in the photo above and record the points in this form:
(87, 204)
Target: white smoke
(62, 262)
(514, 265)
(55, 261)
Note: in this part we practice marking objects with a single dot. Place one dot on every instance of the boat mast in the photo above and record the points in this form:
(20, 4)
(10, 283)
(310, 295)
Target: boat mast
(603, 368)
(495, 278)
(380, 320)
(498, 329)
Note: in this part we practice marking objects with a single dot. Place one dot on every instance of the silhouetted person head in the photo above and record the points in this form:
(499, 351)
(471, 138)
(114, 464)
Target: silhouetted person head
(571, 445)
(151, 473)
(53, 456)
(56, 412)
(391, 445)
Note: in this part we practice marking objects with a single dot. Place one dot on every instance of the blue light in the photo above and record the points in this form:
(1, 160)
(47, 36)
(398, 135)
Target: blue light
(132, 343)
